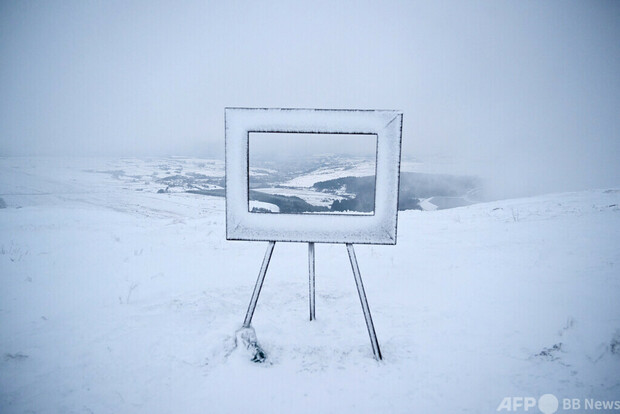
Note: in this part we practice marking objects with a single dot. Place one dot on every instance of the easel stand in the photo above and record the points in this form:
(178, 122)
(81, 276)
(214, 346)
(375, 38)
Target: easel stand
(358, 282)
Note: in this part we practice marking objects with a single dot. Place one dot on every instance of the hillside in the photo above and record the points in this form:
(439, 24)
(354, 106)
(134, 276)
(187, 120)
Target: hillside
(115, 298)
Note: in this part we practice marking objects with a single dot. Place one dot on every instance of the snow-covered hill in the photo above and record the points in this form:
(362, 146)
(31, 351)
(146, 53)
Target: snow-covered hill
(116, 299)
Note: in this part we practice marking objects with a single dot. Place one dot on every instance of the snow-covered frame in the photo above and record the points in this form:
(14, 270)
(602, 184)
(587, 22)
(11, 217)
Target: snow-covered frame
(379, 228)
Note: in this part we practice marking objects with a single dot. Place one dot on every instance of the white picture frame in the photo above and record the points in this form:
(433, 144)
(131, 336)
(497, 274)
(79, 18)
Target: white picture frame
(378, 228)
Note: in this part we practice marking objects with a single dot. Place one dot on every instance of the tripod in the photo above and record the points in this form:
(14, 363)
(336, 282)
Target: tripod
(358, 281)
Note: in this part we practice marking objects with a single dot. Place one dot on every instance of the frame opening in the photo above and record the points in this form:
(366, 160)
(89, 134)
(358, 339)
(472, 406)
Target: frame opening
(312, 173)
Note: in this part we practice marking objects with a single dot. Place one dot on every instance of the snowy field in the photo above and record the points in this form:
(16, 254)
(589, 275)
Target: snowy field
(357, 169)
(316, 198)
(117, 299)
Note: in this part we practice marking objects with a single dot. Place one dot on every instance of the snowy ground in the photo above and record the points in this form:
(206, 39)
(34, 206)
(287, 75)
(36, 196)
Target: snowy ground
(115, 299)
(316, 198)
(359, 168)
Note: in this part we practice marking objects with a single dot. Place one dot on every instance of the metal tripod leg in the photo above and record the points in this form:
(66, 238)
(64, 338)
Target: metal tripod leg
(259, 285)
(360, 290)
(311, 283)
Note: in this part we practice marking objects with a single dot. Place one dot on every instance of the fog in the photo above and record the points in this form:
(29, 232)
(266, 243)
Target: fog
(525, 94)
(290, 146)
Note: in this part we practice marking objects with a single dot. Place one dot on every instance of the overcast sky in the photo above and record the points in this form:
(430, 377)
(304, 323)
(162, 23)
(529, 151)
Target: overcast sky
(527, 92)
